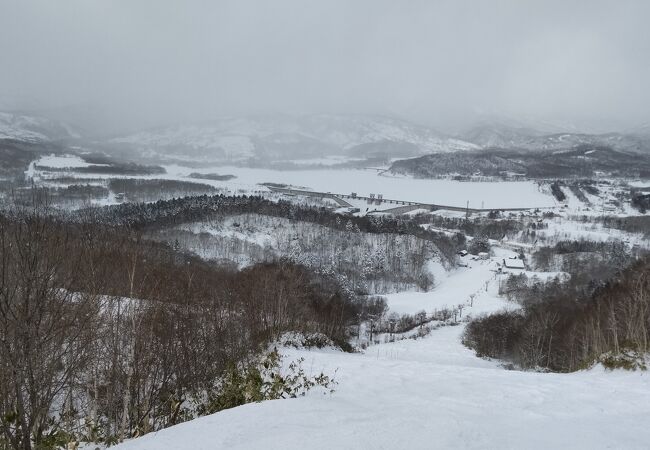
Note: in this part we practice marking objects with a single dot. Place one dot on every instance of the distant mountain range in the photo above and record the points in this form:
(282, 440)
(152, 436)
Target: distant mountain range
(297, 137)
(294, 137)
(513, 138)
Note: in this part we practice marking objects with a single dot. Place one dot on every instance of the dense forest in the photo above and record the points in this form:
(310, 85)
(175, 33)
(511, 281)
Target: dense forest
(168, 213)
(365, 263)
(580, 161)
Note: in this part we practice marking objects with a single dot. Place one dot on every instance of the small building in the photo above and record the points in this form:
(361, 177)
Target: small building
(514, 263)
(483, 255)
(462, 253)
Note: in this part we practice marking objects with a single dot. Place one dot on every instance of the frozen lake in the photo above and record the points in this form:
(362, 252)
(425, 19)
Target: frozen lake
(504, 194)
(491, 195)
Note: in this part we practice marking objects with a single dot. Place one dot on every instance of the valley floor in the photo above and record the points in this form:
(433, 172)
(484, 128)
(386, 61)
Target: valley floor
(432, 393)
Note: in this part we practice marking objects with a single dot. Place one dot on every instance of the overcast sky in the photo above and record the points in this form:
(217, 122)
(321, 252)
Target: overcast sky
(436, 62)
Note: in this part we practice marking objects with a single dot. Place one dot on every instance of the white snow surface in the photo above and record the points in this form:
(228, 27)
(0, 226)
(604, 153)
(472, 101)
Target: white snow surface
(431, 393)
(502, 194)
(455, 289)
(53, 161)
(63, 162)
(560, 229)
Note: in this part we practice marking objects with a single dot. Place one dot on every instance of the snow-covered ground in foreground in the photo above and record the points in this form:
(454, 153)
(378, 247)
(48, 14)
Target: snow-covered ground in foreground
(431, 393)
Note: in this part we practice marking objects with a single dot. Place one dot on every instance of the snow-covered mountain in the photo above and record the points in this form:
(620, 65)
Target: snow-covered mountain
(641, 130)
(281, 137)
(33, 129)
(523, 136)
(293, 137)
(502, 136)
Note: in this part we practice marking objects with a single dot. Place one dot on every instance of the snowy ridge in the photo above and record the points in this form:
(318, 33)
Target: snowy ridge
(521, 136)
(32, 128)
(334, 134)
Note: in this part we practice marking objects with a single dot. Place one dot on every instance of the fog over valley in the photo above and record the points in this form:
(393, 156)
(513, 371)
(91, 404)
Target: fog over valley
(446, 64)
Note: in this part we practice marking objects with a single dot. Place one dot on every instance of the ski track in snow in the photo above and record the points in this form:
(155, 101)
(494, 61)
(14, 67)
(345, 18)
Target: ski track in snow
(431, 393)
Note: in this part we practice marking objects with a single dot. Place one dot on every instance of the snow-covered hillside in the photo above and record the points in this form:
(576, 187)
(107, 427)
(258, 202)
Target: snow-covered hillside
(520, 136)
(291, 137)
(375, 263)
(432, 393)
(31, 128)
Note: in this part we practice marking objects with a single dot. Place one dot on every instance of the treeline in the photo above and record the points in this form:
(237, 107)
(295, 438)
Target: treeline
(557, 192)
(631, 224)
(109, 168)
(559, 329)
(105, 336)
(577, 187)
(16, 155)
(640, 200)
(139, 190)
(581, 161)
(591, 261)
(72, 195)
(169, 213)
(492, 227)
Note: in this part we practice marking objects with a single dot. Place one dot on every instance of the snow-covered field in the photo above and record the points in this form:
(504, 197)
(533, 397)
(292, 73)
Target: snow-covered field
(432, 393)
(58, 162)
(640, 183)
(560, 229)
(63, 162)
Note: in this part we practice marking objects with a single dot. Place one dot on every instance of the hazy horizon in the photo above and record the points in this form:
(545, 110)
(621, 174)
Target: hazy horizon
(445, 64)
